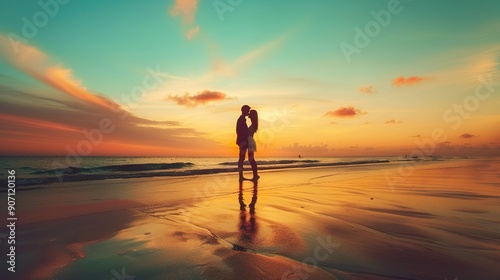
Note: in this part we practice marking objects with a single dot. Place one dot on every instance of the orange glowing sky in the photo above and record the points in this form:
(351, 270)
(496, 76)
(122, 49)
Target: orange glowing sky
(168, 78)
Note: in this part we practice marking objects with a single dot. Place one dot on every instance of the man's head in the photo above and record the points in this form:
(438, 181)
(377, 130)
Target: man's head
(245, 109)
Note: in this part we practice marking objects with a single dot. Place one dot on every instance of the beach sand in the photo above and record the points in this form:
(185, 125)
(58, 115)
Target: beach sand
(400, 220)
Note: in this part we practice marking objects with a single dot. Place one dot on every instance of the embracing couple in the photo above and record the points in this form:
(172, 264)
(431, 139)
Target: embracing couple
(245, 140)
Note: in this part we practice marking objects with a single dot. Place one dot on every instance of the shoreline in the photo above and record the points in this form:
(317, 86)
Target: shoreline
(28, 183)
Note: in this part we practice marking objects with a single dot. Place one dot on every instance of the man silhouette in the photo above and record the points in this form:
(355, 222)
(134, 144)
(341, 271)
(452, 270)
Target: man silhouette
(242, 137)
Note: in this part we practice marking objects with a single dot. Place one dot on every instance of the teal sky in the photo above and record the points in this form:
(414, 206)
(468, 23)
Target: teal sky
(277, 56)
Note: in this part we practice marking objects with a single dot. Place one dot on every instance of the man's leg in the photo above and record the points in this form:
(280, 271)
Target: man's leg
(243, 151)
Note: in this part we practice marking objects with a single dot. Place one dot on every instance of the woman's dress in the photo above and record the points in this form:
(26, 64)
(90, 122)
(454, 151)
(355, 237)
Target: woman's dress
(252, 146)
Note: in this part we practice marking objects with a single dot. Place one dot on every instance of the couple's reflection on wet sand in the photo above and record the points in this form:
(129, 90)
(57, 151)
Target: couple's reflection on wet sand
(248, 225)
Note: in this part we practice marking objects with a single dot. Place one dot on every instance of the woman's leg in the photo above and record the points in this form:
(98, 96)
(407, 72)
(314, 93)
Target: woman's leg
(251, 159)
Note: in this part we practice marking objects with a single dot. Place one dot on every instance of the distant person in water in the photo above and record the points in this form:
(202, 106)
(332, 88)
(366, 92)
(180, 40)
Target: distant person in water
(252, 146)
(244, 135)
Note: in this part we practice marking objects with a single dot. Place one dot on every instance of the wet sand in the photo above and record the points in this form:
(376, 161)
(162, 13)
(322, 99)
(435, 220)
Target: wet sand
(406, 220)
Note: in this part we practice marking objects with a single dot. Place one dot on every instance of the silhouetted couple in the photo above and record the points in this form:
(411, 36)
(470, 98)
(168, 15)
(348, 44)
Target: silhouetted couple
(245, 140)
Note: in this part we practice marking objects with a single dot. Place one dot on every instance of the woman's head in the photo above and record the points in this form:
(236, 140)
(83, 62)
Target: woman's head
(254, 117)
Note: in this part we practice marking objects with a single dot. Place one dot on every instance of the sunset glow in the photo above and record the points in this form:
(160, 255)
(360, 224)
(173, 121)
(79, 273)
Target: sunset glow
(328, 78)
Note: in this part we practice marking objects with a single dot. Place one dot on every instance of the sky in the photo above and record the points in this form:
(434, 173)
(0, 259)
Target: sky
(327, 78)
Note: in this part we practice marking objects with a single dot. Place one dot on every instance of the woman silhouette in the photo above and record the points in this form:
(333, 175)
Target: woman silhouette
(252, 146)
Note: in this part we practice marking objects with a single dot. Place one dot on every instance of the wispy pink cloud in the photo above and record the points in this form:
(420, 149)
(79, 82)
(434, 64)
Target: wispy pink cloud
(222, 67)
(344, 112)
(200, 98)
(186, 10)
(62, 79)
(367, 89)
(191, 33)
(410, 81)
(37, 123)
(35, 63)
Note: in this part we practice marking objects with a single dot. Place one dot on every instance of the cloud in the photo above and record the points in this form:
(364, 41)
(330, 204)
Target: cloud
(367, 89)
(412, 80)
(35, 63)
(392, 122)
(191, 33)
(201, 98)
(467, 136)
(307, 150)
(37, 123)
(66, 116)
(465, 65)
(186, 10)
(62, 79)
(34, 125)
(222, 67)
(344, 112)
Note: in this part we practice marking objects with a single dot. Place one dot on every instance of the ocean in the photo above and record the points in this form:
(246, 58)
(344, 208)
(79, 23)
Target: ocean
(46, 169)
